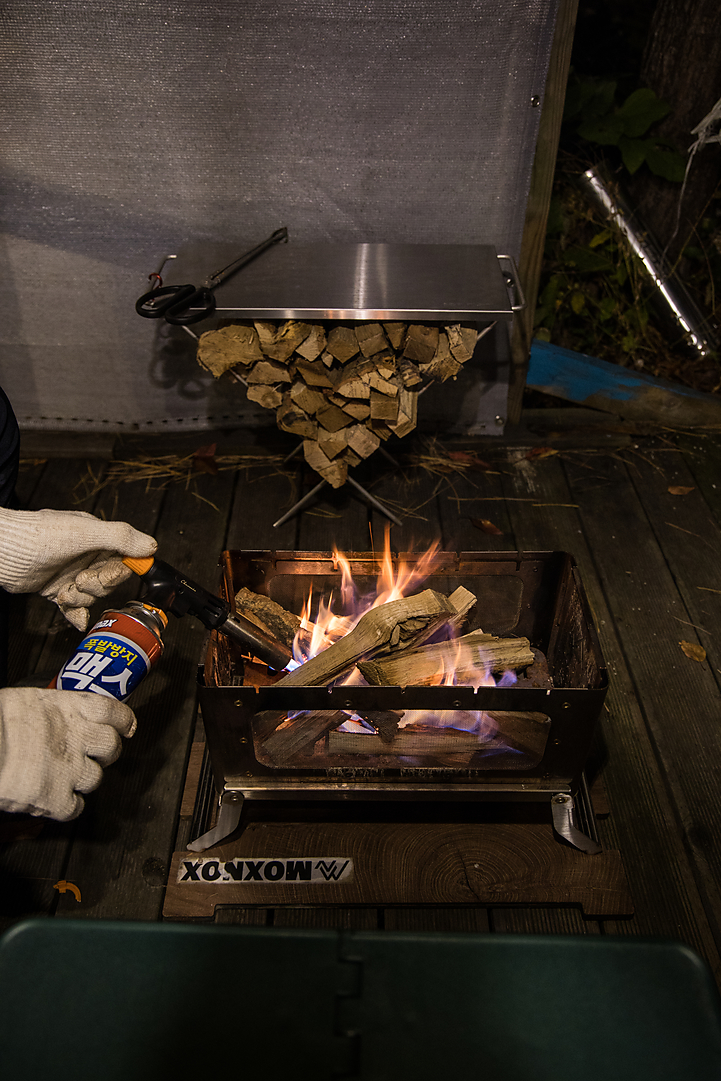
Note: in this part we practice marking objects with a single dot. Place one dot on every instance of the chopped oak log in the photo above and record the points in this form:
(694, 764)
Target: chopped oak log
(332, 418)
(409, 373)
(410, 743)
(462, 600)
(332, 443)
(421, 342)
(268, 397)
(266, 333)
(465, 658)
(462, 341)
(357, 410)
(385, 721)
(219, 350)
(396, 333)
(290, 418)
(335, 472)
(288, 336)
(314, 373)
(362, 440)
(293, 737)
(407, 413)
(372, 634)
(351, 458)
(371, 338)
(328, 359)
(314, 344)
(277, 621)
(310, 401)
(443, 365)
(357, 388)
(384, 408)
(383, 386)
(269, 372)
(342, 343)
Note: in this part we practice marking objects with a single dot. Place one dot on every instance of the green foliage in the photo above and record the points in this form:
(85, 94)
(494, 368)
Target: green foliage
(591, 106)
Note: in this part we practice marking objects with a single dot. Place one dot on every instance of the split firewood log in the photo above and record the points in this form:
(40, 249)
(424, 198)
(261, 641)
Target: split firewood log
(371, 338)
(219, 350)
(294, 736)
(342, 343)
(331, 470)
(268, 615)
(463, 657)
(268, 397)
(395, 625)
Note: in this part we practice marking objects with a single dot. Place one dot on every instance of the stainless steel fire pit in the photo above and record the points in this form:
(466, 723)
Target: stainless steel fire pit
(541, 757)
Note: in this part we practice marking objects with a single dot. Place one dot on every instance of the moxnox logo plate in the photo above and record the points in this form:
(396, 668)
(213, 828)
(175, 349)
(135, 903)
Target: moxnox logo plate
(266, 870)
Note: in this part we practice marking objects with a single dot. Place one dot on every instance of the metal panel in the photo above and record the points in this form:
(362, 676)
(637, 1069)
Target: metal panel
(425, 282)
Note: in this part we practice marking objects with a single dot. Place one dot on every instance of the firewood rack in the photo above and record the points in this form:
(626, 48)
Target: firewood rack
(358, 282)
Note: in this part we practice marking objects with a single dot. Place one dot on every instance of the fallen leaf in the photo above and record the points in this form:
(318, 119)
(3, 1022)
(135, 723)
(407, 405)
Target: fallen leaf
(204, 460)
(694, 651)
(487, 526)
(679, 489)
(468, 459)
(541, 452)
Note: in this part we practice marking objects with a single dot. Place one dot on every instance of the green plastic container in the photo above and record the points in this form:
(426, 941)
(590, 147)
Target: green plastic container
(104, 1001)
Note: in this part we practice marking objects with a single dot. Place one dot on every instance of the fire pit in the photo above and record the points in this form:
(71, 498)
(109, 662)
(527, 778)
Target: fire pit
(505, 737)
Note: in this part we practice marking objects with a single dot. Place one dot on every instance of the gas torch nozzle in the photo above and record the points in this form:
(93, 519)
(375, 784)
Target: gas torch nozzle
(171, 591)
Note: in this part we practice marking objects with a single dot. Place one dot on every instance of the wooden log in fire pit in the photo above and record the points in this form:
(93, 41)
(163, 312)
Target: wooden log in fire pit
(395, 625)
(463, 657)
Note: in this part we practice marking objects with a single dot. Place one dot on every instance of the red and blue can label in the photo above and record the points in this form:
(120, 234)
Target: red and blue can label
(108, 661)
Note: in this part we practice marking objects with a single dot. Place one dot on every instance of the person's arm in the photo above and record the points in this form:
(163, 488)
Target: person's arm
(70, 557)
(53, 745)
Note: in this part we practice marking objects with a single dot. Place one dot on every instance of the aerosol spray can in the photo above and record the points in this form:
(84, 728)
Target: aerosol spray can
(117, 653)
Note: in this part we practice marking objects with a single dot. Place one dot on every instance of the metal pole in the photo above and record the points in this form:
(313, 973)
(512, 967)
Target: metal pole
(373, 501)
(300, 504)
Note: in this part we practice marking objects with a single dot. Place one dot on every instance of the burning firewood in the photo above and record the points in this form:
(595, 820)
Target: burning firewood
(395, 625)
(269, 616)
(517, 733)
(465, 657)
(294, 736)
(410, 620)
(361, 379)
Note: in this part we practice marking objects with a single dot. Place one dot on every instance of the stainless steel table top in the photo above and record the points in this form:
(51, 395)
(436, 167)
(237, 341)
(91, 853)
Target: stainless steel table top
(410, 282)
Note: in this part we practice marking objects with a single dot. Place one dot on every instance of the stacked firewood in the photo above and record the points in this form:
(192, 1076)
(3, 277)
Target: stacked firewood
(341, 388)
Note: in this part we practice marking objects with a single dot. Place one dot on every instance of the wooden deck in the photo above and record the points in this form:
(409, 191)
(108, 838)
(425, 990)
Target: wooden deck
(651, 565)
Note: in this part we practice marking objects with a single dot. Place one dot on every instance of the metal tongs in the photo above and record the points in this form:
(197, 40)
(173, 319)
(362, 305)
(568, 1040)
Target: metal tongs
(179, 304)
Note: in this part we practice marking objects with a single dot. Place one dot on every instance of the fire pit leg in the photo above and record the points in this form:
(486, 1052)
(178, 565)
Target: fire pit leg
(231, 805)
(309, 497)
(562, 811)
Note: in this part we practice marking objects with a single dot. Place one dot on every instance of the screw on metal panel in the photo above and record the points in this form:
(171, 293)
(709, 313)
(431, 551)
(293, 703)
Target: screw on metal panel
(535, 101)
(238, 703)
(566, 705)
(242, 740)
(500, 420)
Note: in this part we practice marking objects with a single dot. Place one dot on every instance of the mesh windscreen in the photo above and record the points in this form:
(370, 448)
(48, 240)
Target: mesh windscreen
(130, 129)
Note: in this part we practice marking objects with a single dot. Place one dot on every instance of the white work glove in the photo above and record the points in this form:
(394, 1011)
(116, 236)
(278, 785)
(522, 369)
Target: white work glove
(68, 556)
(53, 745)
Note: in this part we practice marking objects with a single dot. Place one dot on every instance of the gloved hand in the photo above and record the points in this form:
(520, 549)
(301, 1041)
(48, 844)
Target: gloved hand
(70, 557)
(53, 745)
